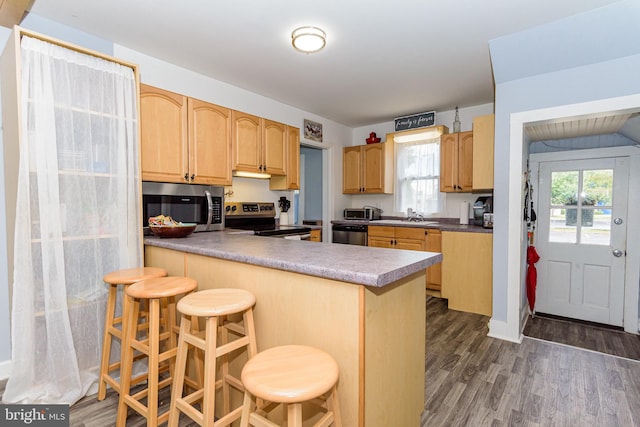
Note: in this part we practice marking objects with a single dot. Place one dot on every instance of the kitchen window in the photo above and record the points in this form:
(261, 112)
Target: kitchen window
(418, 177)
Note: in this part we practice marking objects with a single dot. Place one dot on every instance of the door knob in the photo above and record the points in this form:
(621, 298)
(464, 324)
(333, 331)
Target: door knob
(617, 221)
(617, 253)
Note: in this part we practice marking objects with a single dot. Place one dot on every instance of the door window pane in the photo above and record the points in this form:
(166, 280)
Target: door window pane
(563, 220)
(564, 187)
(597, 187)
(597, 191)
(560, 231)
(581, 204)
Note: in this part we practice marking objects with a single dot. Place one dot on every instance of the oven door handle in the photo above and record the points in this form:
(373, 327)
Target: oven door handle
(207, 194)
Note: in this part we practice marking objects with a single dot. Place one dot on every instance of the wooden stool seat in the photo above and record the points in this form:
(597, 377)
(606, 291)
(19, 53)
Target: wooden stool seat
(159, 345)
(125, 278)
(290, 374)
(132, 275)
(217, 306)
(161, 287)
(216, 302)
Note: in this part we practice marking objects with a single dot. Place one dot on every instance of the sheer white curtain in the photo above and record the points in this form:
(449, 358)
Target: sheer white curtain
(418, 177)
(77, 216)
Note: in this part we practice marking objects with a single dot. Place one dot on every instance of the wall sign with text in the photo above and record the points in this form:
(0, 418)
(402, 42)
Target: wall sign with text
(416, 121)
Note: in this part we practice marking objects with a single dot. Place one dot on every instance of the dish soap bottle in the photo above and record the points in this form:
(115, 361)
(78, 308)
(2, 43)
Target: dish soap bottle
(456, 122)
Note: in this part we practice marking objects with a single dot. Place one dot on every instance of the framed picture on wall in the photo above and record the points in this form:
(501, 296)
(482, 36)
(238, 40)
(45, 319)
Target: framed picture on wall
(312, 130)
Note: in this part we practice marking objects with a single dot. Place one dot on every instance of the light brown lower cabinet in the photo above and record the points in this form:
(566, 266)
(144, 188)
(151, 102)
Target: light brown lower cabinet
(411, 238)
(396, 237)
(467, 271)
(316, 235)
(434, 273)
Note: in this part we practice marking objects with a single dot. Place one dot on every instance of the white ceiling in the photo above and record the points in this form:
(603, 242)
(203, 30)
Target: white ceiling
(383, 59)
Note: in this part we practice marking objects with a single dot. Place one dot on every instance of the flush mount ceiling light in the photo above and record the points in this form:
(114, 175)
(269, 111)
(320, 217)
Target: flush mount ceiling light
(308, 39)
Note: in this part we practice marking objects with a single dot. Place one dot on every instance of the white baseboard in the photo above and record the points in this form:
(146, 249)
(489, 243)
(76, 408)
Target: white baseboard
(499, 329)
(524, 317)
(5, 369)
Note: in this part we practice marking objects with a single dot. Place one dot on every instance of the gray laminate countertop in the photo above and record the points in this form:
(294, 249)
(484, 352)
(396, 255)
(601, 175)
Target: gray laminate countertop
(446, 224)
(360, 265)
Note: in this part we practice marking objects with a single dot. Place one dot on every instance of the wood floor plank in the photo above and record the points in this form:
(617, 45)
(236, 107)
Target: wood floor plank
(535, 383)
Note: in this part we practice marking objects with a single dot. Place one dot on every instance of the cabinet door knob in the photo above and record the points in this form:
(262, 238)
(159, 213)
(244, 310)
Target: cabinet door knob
(193, 176)
(186, 176)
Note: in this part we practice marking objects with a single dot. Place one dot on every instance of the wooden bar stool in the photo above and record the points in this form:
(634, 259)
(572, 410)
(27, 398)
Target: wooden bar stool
(115, 279)
(159, 344)
(290, 375)
(217, 306)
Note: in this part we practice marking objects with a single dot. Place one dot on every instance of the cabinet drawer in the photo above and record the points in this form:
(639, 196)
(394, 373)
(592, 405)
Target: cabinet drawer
(381, 231)
(410, 233)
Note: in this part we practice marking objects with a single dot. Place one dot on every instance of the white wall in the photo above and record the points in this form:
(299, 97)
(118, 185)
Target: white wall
(451, 200)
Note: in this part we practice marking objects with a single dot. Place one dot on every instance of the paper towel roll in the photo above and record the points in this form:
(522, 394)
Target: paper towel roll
(284, 218)
(464, 213)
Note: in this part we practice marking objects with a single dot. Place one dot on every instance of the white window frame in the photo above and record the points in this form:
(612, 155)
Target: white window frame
(432, 174)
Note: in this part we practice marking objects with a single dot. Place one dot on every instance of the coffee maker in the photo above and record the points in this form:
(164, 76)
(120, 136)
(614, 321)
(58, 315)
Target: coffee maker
(483, 205)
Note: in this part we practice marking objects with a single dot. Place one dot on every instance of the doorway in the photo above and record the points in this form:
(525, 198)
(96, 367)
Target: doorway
(581, 236)
(510, 236)
(311, 201)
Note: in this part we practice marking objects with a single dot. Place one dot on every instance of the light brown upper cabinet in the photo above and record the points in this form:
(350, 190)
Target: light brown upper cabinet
(183, 139)
(483, 141)
(368, 169)
(456, 162)
(290, 181)
(259, 145)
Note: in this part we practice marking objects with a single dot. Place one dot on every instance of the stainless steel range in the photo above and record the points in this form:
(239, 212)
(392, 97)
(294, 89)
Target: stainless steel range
(260, 217)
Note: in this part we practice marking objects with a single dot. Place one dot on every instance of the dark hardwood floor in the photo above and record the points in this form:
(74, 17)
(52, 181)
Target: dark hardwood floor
(475, 380)
(586, 335)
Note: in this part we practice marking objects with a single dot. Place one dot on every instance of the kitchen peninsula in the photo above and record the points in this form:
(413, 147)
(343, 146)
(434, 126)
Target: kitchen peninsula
(364, 306)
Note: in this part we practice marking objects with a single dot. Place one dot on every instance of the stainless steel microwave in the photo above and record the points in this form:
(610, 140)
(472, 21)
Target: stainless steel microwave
(199, 204)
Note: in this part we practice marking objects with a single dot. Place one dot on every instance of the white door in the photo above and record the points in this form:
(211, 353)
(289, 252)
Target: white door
(581, 239)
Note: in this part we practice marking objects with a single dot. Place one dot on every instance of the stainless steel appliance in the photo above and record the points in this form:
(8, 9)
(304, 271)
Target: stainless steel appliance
(482, 206)
(350, 234)
(488, 220)
(259, 217)
(368, 212)
(199, 204)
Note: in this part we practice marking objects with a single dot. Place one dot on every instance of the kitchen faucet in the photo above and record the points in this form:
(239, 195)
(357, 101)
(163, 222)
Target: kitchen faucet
(413, 216)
